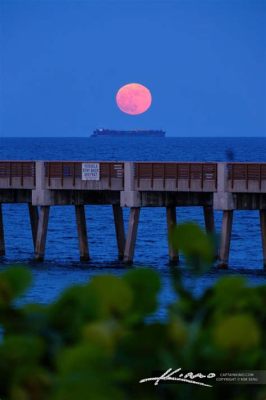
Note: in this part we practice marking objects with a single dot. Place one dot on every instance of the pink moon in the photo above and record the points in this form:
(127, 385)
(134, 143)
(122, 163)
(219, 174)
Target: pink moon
(133, 98)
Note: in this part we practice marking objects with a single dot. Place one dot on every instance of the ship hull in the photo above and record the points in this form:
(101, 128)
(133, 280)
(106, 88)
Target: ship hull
(117, 133)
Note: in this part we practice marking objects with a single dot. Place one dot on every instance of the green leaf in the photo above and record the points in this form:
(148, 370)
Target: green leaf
(76, 306)
(22, 348)
(197, 246)
(31, 382)
(114, 294)
(104, 333)
(237, 332)
(13, 282)
(87, 371)
(145, 285)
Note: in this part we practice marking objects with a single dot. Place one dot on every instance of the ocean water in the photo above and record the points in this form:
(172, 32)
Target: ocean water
(62, 267)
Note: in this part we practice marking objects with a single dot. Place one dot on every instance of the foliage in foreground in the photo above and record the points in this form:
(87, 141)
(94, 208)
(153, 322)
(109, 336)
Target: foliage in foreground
(95, 341)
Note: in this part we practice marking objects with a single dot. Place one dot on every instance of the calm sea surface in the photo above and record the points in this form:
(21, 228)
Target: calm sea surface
(62, 267)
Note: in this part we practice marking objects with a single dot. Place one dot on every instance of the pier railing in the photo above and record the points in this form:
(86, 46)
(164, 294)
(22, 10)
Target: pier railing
(70, 175)
(246, 177)
(172, 176)
(148, 176)
(17, 174)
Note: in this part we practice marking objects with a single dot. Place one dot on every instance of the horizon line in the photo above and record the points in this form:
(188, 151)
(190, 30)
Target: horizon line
(165, 137)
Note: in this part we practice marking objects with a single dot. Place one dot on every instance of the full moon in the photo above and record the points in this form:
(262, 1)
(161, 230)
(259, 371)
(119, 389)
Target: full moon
(133, 98)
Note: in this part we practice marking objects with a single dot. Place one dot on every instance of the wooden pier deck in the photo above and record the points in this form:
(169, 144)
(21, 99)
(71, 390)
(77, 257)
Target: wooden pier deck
(213, 186)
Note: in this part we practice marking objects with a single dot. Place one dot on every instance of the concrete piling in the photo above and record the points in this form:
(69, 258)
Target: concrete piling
(209, 219)
(131, 234)
(42, 233)
(171, 222)
(263, 235)
(2, 235)
(119, 229)
(225, 238)
(34, 218)
(82, 232)
(210, 225)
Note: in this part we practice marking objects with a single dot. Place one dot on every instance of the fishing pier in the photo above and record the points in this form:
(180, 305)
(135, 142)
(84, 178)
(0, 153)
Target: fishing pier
(213, 186)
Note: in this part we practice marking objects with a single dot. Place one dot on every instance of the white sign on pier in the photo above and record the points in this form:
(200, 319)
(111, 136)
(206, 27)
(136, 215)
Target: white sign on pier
(90, 171)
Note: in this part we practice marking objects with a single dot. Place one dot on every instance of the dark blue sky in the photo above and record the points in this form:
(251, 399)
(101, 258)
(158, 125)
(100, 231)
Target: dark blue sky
(63, 61)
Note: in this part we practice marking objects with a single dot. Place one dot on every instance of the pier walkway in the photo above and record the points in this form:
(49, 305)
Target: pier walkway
(213, 186)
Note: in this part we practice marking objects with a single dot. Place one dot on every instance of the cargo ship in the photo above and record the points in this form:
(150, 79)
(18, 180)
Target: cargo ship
(132, 133)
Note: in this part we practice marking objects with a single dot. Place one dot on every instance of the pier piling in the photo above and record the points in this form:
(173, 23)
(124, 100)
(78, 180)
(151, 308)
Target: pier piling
(210, 225)
(171, 222)
(119, 229)
(2, 235)
(209, 219)
(263, 235)
(225, 238)
(34, 218)
(131, 234)
(42, 233)
(82, 232)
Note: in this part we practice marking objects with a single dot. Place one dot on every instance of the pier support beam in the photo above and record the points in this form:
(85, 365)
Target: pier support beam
(2, 235)
(131, 235)
(171, 222)
(42, 233)
(209, 219)
(34, 218)
(263, 235)
(210, 226)
(225, 238)
(82, 232)
(119, 229)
